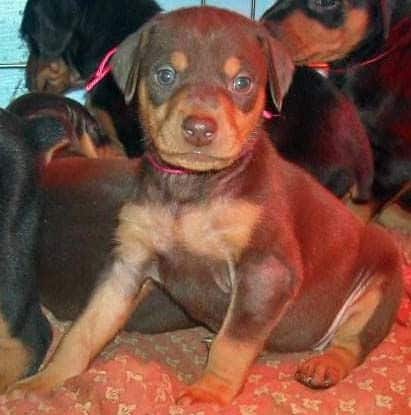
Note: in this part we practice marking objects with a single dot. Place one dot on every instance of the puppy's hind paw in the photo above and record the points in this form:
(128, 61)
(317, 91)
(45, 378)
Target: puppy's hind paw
(323, 371)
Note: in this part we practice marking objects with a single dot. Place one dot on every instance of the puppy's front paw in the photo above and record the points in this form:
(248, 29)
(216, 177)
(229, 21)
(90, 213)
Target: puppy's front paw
(42, 382)
(208, 389)
(323, 371)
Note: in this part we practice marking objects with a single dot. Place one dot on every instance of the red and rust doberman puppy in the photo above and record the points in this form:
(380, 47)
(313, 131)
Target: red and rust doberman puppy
(249, 244)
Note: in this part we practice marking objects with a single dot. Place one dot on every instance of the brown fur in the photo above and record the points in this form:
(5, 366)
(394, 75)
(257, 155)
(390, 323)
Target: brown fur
(250, 245)
(19, 357)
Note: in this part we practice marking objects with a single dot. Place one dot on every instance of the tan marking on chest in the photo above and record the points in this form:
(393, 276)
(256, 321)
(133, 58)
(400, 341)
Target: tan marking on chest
(220, 230)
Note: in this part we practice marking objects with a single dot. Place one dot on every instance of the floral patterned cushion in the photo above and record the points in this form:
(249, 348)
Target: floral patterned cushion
(142, 374)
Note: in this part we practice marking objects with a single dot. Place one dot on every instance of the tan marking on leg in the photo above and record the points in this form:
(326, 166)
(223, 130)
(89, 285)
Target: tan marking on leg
(220, 229)
(345, 352)
(50, 154)
(106, 123)
(232, 66)
(106, 313)
(15, 357)
(87, 146)
(225, 374)
(179, 61)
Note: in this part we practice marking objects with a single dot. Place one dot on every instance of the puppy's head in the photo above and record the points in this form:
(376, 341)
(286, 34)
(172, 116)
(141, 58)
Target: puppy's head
(199, 77)
(47, 28)
(327, 30)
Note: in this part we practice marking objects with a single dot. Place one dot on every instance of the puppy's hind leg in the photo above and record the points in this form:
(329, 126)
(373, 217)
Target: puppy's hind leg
(368, 321)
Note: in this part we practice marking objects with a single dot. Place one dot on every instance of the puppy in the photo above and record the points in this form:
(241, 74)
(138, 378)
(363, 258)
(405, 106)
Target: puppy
(248, 243)
(366, 44)
(57, 125)
(319, 129)
(25, 332)
(68, 39)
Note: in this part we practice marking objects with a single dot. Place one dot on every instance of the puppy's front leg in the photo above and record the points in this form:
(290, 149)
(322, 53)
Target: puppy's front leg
(261, 293)
(110, 306)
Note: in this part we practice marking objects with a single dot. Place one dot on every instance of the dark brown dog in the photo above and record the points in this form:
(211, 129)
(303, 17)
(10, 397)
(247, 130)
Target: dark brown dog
(367, 45)
(249, 244)
(67, 39)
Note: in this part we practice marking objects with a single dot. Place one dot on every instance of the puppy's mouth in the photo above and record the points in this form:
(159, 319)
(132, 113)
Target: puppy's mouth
(196, 161)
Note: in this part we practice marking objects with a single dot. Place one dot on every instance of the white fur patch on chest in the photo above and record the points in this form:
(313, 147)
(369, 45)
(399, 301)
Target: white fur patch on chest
(220, 229)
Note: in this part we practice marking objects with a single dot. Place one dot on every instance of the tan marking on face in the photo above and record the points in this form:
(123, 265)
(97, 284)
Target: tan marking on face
(310, 42)
(247, 122)
(164, 124)
(179, 61)
(232, 66)
(221, 229)
(15, 357)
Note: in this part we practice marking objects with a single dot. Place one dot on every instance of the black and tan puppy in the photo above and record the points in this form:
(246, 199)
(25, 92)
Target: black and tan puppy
(25, 332)
(366, 44)
(249, 244)
(68, 39)
(58, 124)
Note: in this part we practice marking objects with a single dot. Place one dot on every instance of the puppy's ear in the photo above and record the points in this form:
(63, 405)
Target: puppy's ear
(125, 63)
(280, 68)
(48, 26)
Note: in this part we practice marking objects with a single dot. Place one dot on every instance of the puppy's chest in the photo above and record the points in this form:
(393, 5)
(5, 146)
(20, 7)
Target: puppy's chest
(217, 230)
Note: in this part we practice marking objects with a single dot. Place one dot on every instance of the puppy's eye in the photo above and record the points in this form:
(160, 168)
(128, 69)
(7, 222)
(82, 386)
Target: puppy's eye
(166, 76)
(242, 83)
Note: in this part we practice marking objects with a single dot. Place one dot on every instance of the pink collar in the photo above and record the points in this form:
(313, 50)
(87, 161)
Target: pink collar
(166, 168)
(102, 71)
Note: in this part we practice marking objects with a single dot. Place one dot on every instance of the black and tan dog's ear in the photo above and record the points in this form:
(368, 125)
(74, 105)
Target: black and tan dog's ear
(48, 27)
(280, 69)
(125, 63)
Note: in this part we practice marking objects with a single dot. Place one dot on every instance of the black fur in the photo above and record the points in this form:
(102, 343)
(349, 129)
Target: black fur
(19, 220)
(81, 32)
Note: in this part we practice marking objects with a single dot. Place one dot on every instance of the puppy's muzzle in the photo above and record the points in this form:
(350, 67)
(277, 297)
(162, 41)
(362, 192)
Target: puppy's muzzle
(199, 131)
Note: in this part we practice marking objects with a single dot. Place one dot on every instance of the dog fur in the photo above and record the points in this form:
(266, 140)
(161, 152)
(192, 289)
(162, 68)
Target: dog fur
(367, 44)
(247, 243)
(68, 39)
(24, 330)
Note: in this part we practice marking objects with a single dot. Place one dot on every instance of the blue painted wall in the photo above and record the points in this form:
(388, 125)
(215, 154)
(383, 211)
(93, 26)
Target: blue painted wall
(13, 53)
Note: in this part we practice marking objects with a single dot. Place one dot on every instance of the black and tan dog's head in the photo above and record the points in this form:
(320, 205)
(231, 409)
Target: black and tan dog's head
(199, 76)
(329, 30)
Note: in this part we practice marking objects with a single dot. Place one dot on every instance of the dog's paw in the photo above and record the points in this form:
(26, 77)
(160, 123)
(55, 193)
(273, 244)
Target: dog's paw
(322, 372)
(41, 383)
(208, 389)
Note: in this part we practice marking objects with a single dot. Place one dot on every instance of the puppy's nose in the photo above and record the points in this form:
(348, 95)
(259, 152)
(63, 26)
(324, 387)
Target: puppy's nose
(199, 131)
